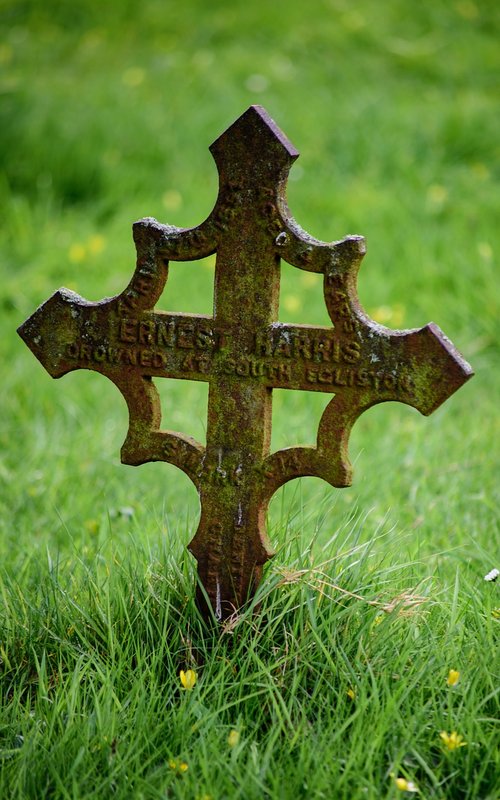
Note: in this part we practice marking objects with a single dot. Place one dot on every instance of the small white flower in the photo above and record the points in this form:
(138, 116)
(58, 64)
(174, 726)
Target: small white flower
(492, 575)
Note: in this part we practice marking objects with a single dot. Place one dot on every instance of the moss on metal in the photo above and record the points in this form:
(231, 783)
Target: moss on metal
(244, 353)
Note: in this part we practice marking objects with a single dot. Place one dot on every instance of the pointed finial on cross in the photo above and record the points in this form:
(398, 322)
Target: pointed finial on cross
(243, 352)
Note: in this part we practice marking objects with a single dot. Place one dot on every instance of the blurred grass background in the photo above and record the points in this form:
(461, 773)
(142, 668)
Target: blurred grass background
(106, 113)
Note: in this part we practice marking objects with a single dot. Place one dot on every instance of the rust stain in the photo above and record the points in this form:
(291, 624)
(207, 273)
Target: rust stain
(244, 353)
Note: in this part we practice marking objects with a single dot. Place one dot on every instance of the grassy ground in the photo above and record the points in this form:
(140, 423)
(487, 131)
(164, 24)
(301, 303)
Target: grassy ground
(338, 685)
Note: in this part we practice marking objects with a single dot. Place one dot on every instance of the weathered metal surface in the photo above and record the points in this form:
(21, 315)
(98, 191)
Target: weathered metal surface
(244, 353)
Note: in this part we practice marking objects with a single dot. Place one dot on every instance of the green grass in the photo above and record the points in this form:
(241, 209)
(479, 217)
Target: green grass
(106, 114)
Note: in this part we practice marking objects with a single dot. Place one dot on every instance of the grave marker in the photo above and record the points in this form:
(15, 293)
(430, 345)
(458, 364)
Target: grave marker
(244, 353)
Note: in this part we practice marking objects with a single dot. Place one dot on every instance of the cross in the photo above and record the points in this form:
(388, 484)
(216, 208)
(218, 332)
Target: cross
(243, 352)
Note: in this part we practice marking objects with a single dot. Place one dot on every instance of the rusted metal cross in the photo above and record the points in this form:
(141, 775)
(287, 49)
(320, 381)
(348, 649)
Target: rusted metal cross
(244, 353)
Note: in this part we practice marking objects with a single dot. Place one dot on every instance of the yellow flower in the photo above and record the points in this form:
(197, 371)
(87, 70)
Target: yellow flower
(96, 244)
(437, 196)
(188, 678)
(178, 766)
(405, 786)
(291, 303)
(452, 740)
(92, 526)
(172, 200)
(453, 676)
(480, 171)
(77, 253)
(133, 76)
(389, 315)
(351, 694)
(6, 53)
(485, 250)
(233, 738)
